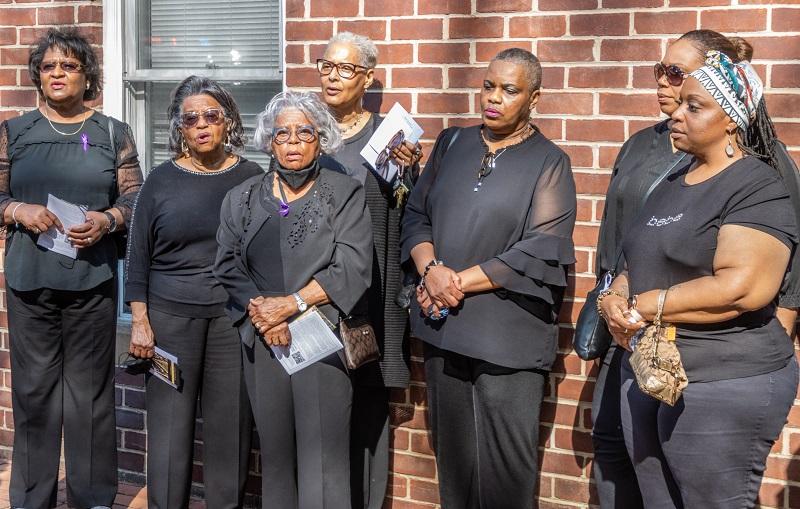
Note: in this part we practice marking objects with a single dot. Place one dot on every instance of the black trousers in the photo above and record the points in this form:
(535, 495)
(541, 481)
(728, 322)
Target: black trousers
(369, 447)
(485, 424)
(617, 486)
(62, 362)
(210, 361)
(303, 423)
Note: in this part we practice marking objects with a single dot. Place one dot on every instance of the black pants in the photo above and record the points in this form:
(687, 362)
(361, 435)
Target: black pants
(62, 362)
(303, 423)
(617, 487)
(210, 361)
(708, 451)
(485, 424)
(369, 447)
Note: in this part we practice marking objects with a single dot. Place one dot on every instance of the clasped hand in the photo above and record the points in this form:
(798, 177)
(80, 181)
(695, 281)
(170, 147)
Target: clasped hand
(619, 320)
(269, 316)
(38, 219)
(441, 289)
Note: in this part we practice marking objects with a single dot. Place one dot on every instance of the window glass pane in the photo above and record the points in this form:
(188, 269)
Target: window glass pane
(251, 98)
(210, 34)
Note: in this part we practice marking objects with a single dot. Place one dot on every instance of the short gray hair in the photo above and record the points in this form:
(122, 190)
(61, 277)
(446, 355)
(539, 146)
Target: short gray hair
(199, 85)
(367, 51)
(308, 103)
(523, 57)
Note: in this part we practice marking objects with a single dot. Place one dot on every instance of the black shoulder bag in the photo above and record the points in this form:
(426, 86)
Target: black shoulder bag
(592, 338)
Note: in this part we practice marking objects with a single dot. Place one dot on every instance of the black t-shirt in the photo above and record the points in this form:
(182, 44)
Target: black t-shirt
(674, 239)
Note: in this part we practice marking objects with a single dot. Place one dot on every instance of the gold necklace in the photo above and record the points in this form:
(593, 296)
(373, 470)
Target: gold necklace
(353, 125)
(47, 105)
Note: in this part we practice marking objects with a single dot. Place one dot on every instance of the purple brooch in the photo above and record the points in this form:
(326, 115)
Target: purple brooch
(85, 141)
(284, 210)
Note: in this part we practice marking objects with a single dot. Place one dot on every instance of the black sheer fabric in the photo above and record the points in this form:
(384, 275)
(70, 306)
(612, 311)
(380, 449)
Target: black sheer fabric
(517, 227)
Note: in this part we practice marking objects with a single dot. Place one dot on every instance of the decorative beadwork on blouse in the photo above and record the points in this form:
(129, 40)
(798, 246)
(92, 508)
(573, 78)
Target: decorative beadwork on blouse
(310, 215)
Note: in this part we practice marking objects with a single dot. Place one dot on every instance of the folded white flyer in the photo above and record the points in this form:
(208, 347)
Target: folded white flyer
(398, 126)
(70, 215)
(312, 340)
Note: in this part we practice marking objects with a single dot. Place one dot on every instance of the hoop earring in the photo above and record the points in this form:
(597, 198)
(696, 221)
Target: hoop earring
(729, 151)
(228, 146)
(184, 147)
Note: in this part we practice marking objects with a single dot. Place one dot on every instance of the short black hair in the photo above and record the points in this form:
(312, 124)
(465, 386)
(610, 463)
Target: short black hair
(74, 44)
(533, 69)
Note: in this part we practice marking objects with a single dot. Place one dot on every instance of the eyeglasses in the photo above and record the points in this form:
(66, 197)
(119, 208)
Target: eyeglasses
(675, 75)
(66, 66)
(382, 162)
(213, 116)
(345, 70)
(304, 133)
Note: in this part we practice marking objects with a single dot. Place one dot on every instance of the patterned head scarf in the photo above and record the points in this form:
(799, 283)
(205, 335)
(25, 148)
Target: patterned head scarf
(736, 87)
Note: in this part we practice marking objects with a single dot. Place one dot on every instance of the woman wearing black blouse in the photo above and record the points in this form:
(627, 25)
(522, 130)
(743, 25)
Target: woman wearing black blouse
(346, 72)
(646, 158)
(489, 228)
(61, 310)
(179, 306)
(296, 237)
(712, 244)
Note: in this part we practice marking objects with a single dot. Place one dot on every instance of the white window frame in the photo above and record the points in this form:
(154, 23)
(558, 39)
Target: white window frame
(122, 101)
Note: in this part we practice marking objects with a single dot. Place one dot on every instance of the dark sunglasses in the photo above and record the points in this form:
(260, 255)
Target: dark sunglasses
(345, 70)
(675, 76)
(382, 162)
(66, 66)
(304, 133)
(212, 116)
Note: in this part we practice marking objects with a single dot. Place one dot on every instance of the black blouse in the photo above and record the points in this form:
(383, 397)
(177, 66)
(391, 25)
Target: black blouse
(83, 168)
(326, 237)
(517, 227)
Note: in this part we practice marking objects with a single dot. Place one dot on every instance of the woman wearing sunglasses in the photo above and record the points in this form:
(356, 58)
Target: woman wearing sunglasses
(61, 307)
(294, 238)
(346, 72)
(179, 306)
(644, 160)
(489, 229)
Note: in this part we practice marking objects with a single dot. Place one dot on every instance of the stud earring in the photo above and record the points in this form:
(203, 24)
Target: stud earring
(729, 148)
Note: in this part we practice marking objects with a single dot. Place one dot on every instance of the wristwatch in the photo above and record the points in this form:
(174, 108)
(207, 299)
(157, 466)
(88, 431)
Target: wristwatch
(112, 221)
(301, 304)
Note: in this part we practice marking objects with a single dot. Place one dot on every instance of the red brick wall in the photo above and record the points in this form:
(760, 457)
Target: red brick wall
(598, 57)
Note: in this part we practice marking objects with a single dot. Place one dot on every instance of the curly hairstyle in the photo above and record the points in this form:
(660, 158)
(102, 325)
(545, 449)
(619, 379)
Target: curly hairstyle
(330, 139)
(73, 44)
(200, 85)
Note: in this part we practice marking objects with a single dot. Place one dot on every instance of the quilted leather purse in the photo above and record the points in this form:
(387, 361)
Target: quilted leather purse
(359, 340)
(656, 362)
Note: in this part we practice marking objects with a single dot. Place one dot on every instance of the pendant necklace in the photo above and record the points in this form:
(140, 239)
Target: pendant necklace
(490, 158)
(47, 105)
(353, 125)
(284, 210)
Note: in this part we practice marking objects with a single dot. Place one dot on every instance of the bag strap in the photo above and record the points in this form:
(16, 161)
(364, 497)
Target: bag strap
(662, 297)
(643, 200)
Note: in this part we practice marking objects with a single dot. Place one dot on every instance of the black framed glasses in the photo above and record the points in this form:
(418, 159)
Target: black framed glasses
(675, 75)
(212, 116)
(382, 162)
(304, 133)
(345, 70)
(67, 66)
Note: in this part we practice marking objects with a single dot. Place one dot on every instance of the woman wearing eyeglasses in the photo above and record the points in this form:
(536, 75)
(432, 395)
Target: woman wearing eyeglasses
(489, 229)
(61, 307)
(294, 238)
(346, 72)
(644, 160)
(179, 306)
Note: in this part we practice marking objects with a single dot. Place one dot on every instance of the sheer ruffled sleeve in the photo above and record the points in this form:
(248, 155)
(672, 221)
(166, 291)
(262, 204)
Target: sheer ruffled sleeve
(129, 173)
(540, 259)
(5, 171)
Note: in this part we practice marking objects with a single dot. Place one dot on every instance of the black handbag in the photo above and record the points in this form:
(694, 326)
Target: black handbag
(592, 338)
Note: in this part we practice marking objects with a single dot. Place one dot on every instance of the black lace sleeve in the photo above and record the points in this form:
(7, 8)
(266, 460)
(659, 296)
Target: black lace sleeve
(5, 171)
(129, 174)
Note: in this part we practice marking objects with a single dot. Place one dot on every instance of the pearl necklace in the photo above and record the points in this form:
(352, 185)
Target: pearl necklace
(46, 105)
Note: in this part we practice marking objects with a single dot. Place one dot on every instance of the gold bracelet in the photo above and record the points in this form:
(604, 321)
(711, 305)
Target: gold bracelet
(603, 295)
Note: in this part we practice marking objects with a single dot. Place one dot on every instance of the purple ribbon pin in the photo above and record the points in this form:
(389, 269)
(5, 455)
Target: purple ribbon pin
(284, 210)
(85, 141)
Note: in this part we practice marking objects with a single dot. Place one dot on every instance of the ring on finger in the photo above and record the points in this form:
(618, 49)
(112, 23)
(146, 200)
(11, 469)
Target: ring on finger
(625, 331)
